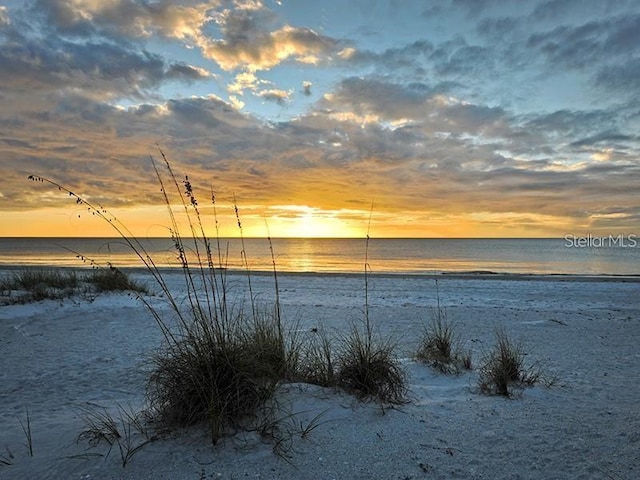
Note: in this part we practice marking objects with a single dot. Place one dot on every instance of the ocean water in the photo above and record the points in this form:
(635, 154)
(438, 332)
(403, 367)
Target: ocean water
(585, 256)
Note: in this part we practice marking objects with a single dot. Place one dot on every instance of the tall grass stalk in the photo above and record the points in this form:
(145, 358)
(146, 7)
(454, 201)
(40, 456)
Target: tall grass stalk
(440, 345)
(243, 255)
(367, 366)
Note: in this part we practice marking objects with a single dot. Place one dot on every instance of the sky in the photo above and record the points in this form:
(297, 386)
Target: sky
(443, 118)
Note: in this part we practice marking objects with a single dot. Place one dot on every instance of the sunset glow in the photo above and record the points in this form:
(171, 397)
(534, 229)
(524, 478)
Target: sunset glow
(453, 118)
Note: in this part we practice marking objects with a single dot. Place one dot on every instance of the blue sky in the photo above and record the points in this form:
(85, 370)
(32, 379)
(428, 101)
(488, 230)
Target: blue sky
(453, 117)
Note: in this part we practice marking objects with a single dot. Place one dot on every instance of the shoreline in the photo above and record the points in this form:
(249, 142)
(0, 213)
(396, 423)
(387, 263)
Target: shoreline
(453, 275)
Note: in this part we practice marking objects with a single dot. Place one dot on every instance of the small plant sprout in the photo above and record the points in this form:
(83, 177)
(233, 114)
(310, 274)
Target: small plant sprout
(127, 431)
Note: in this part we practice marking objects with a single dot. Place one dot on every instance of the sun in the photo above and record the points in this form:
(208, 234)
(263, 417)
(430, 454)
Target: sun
(307, 222)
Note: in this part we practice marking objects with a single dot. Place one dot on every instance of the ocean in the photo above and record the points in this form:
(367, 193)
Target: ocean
(577, 256)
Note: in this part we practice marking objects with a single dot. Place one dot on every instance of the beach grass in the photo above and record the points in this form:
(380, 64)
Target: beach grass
(221, 361)
(503, 369)
(362, 363)
(125, 430)
(218, 377)
(318, 363)
(112, 279)
(440, 346)
(369, 368)
(356, 362)
(39, 284)
(36, 284)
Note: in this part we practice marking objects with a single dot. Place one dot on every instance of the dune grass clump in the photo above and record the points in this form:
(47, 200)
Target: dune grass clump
(504, 370)
(35, 284)
(220, 380)
(369, 369)
(112, 279)
(317, 363)
(219, 364)
(357, 363)
(440, 347)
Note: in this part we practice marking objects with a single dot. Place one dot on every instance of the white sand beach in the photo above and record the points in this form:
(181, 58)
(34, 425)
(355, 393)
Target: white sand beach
(60, 357)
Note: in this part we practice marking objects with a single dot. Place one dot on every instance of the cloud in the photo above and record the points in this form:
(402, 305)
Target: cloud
(316, 159)
(5, 21)
(242, 36)
(624, 77)
(417, 103)
(473, 7)
(243, 81)
(604, 137)
(182, 71)
(281, 97)
(607, 49)
(552, 10)
(104, 69)
(264, 50)
(409, 56)
(386, 100)
(130, 18)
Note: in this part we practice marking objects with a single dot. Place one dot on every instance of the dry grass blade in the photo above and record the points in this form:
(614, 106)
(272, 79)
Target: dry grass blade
(26, 429)
(100, 426)
(127, 431)
(7, 459)
(312, 424)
